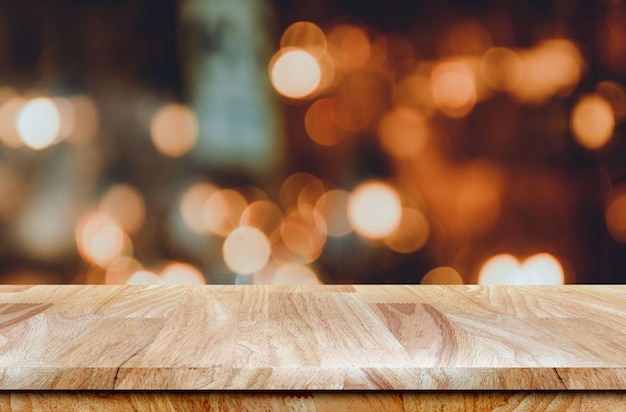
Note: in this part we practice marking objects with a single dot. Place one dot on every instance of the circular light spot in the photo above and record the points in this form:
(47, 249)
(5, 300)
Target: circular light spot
(178, 273)
(444, 275)
(246, 250)
(615, 214)
(411, 234)
(100, 239)
(592, 121)
(174, 130)
(505, 269)
(143, 277)
(374, 210)
(192, 206)
(320, 125)
(295, 274)
(295, 73)
(222, 211)
(403, 132)
(306, 36)
(454, 88)
(263, 215)
(38, 123)
(126, 205)
(501, 68)
(120, 270)
(332, 206)
(303, 233)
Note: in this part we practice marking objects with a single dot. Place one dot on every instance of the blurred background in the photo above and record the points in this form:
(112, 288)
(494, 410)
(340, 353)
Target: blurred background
(274, 141)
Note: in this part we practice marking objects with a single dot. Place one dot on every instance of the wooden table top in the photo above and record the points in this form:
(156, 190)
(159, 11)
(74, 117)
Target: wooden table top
(313, 337)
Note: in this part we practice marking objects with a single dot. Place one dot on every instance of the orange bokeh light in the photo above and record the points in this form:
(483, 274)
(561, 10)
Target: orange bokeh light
(192, 206)
(411, 234)
(501, 68)
(592, 121)
(505, 269)
(454, 88)
(174, 130)
(615, 214)
(443, 275)
(332, 206)
(222, 211)
(126, 205)
(179, 273)
(100, 240)
(403, 132)
(306, 36)
(294, 274)
(246, 250)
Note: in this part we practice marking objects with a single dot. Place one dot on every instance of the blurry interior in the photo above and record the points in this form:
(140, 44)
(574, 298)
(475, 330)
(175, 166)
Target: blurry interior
(304, 142)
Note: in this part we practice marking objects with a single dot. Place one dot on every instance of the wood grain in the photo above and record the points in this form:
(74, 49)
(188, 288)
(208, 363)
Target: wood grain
(362, 337)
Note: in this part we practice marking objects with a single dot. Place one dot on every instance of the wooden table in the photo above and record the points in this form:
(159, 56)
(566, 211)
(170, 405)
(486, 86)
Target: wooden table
(391, 347)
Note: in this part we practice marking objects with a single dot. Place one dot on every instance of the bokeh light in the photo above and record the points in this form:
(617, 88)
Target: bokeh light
(126, 205)
(38, 123)
(332, 206)
(295, 73)
(320, 123)
(411, 234)
(501, 69)
(374, 209)
(304, 233)
(174, 130)
(246, 250)
(592, 121)
(100, 240)
(305, 35)
(443, 275)
(295, 274)
(8, 126)
(179, 273)
(454, 88)
(615, 214)
(403, 132)
(505, 269)
(192, 206)
(263, 215)
(143, 277)
(349, 46)
(121, 269)
(222, 211)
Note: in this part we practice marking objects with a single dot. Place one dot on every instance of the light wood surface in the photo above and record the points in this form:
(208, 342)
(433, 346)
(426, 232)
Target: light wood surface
(307, 338)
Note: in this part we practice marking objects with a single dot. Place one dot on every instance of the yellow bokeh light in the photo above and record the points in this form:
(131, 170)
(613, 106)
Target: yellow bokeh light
(615, 214)
(295, 73)
(179, 273)
(100, 240)
(192, 206)
(246, 250)
(411, 234)
(374, 210)
(505, 269)
(592, 121)
(294, 274)
(126, 205)
(306, 36)
(443, 275)
(222, 211)
(454, 88)
(403, 132)
(38, 123)
(332, 206)
(174, 130)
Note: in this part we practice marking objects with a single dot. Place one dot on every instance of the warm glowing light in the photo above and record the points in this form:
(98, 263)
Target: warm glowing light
(310, 194)
(178, 273)
(403, 132)
(295, 274)
(615, 94)
(411, 234)
(144, 277)
(263, 215)
(469, 37)
(501, 68)
(444, 275)
(374, 210)
(592, 121)
(8, 127)
(332, 206)
(246, 250)
(295, 73)
(222, 211)
(350, 47)
(320, 125)
(192, 206)
(306, 36)
(615, 214)
(126, 205)
(505, 269)
(304, 233)
(415, 91)
(292, 187)
(67, 115)
(38, 123)
(100, 239)
(174, 130)
(120, 270)
(86, 120)
(454, 88)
